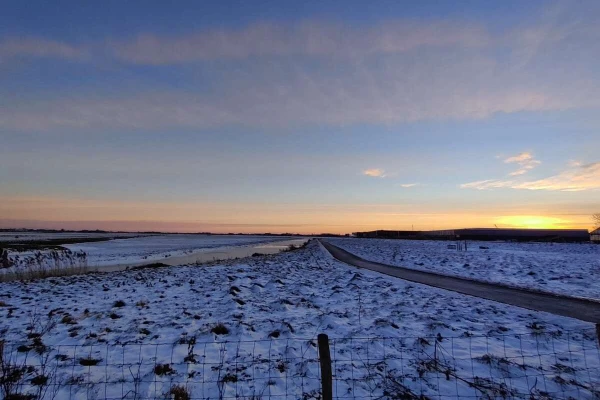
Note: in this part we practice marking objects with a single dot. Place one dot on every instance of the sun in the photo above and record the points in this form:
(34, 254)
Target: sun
(531, 222)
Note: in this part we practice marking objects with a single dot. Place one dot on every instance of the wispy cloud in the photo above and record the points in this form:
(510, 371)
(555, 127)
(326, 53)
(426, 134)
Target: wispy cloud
(318, 38)
(487, 184)
(525, 160)
(315, 72)
(520, 158)
(584, 177)
(574, 179)
(302, 99)
(309, 38)
(575, 163)
(39, 48)
(408, 185)
(374, 173)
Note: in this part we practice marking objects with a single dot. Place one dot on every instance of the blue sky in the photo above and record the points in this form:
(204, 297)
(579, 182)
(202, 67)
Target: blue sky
(313, 116)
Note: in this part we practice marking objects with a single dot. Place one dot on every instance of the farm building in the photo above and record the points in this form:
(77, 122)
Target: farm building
(382, 234)
(550, 235)
(595, 236)
(524, 235)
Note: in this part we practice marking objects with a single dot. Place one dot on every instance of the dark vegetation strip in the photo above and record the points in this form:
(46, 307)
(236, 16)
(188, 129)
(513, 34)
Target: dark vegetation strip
(149, 266)
(52, 244)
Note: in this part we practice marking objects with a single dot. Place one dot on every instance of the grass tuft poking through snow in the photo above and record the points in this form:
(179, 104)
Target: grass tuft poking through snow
(88, 362)
(119, 303)
(220, 329)
(180, 392)
(163, 369)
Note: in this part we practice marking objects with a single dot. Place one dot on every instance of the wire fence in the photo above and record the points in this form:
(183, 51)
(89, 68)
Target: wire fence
(535, 365)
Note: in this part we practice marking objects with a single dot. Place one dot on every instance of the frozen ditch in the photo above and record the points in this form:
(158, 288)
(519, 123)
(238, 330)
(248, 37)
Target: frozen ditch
(120, 254)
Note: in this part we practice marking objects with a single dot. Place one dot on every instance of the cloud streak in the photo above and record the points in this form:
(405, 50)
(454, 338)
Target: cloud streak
(309, 38)
(525, 160)
(585, 177)
(301, 99)
(317, 38)
(374, 173)
(37, 47)
(272, 76)
(575, 179)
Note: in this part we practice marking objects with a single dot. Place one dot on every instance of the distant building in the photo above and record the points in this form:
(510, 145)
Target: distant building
(382, 234)
(595, 236)
(524, 235)
(521, 235)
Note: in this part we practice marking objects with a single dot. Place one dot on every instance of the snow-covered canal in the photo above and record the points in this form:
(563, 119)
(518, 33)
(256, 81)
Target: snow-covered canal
(209, 254)
(171, 249)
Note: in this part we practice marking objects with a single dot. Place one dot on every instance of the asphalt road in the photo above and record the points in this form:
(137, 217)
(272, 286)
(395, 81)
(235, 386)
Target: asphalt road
(584, 310)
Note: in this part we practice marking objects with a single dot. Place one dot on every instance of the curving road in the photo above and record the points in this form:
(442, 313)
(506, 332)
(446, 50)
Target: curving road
(585, 310)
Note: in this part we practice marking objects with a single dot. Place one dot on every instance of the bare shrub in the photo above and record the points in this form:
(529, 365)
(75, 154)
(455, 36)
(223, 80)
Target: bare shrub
(12, 375)
(19, 381)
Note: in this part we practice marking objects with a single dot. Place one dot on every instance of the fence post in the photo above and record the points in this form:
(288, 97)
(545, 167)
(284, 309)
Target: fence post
(325, 360)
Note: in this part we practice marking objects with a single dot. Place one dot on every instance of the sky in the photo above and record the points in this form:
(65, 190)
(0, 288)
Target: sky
(308, 117)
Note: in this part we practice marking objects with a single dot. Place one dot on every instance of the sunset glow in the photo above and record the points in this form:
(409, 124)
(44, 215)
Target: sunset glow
(535, 222)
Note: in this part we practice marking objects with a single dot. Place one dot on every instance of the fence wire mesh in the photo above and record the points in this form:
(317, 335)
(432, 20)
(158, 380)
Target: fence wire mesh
(533, 365)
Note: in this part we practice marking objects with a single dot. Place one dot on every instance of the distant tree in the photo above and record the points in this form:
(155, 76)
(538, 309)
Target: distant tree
(596, 218)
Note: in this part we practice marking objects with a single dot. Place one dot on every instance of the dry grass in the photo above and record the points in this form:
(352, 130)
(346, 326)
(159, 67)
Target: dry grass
(179, 392)
(42, 264)
(20, 381)
(30, 274)
(220, 329)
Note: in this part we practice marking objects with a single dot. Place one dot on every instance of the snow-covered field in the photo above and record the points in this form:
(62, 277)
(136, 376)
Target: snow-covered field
(123, 252)
(563, 268)
(156, 248)
(248, 328)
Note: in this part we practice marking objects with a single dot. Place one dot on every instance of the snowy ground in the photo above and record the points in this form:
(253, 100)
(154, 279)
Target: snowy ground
(126, 251)
(148, 330)
(156, 248)
(569, 269)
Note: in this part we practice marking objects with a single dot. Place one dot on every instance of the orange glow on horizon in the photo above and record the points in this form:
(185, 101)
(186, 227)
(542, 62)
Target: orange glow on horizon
(533, 222)
(77, 214)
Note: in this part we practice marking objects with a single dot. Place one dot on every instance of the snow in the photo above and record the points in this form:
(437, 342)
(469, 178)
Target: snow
(156, 248)
(386, 334)
(129, 251)
(563, 268)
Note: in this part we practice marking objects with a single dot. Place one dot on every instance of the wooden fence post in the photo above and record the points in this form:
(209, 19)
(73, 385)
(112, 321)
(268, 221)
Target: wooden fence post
(325, 360)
